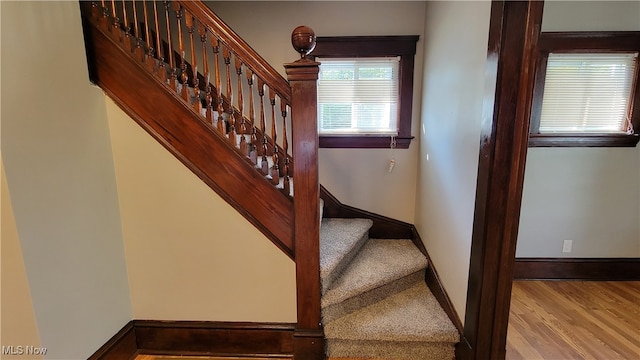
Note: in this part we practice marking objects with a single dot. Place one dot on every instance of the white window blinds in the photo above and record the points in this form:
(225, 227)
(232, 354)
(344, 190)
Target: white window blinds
(587, 92)
(358, 96)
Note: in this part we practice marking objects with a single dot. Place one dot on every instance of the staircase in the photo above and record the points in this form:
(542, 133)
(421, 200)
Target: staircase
(375, 303)
(194, 85)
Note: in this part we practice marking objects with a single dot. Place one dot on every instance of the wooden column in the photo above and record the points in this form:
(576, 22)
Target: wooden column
(513, 35)
(302, 76)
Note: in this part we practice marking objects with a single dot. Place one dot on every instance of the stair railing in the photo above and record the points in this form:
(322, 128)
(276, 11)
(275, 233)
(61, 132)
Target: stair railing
(214, 71)
(251, 106)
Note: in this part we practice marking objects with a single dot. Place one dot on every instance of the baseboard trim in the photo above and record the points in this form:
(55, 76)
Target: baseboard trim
(214, 338)
(200, 338)
(383, 227)
(309, 344)
(435, 285)
(463, 349)
(600, 269)
(121, 346)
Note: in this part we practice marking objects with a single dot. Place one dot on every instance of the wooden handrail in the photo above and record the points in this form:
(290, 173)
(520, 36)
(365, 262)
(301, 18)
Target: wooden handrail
(240, 48)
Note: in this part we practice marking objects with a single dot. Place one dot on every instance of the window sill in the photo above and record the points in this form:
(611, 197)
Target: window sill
(582, 140)
(362, 142)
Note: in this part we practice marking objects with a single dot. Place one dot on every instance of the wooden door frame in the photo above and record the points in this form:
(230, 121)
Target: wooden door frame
(513, 34)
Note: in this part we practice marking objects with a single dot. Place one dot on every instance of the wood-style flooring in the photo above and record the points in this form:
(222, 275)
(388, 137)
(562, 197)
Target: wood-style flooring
(559, 320)
(165, 357)
(574, 320)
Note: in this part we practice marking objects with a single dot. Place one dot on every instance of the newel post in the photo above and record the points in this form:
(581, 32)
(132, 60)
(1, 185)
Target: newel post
(302, 75)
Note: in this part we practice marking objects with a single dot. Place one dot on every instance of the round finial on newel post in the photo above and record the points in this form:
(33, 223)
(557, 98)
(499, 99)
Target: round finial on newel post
(303, 40)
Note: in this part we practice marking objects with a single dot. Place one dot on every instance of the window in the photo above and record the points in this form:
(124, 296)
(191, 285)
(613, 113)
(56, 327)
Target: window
(358, 96)
(365, 90)
(586, 91)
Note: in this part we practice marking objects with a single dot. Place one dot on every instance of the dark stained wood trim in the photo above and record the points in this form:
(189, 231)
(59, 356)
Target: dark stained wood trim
(597, 269)
(512, 48)
(309, 344)
(346, 46)
(199, 338)
(435, 285)
(583, 140)
(190, 139)
(363, 142)
(214, 338)
(383, 227)
(121, 346)
(538, 93)
(589, 40)
(309, 334)
(372, 46)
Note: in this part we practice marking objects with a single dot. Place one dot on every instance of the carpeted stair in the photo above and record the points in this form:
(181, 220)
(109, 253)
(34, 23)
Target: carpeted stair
(375, 303)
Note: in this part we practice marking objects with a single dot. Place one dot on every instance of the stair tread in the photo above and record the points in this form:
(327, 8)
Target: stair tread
(413, 315)
(340, 239)
(379, 262)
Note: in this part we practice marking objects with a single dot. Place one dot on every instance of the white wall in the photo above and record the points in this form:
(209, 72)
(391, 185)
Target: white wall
(190, 255)
(60, 182)
(455, 56)
(357, 177)
(588, 195)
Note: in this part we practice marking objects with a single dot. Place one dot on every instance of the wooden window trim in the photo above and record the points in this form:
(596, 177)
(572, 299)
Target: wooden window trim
(374, 46)
(584, 42)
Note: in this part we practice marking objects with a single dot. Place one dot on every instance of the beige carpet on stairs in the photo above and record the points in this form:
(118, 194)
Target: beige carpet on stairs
(376, 304)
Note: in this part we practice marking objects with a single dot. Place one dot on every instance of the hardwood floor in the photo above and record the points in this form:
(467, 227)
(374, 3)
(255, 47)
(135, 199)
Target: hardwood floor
(158, 357)
(574, 320)
(166, 357)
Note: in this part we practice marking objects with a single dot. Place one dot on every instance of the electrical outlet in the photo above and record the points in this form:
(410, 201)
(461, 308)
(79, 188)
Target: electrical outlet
(566, 246)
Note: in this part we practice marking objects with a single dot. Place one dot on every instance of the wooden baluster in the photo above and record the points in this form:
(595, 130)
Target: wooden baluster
(104, 22)
(253, 141)
(150, 61)
(136, 27)
(95, 12)
(183, 65)
(126, 39)
(253, 154)
(264, 166)
(197, 104)
(285, 149)
(172, 66)
(263, 127)
(226, 55)
(205, 65)
(138, 51)
(162, 70)
(275, 168)
(243, 127)
(215, 45)
(115, 24)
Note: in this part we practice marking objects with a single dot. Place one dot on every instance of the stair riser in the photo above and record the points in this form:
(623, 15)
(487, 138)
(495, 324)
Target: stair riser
(348, 306)
(389, 350)
(344, 262)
